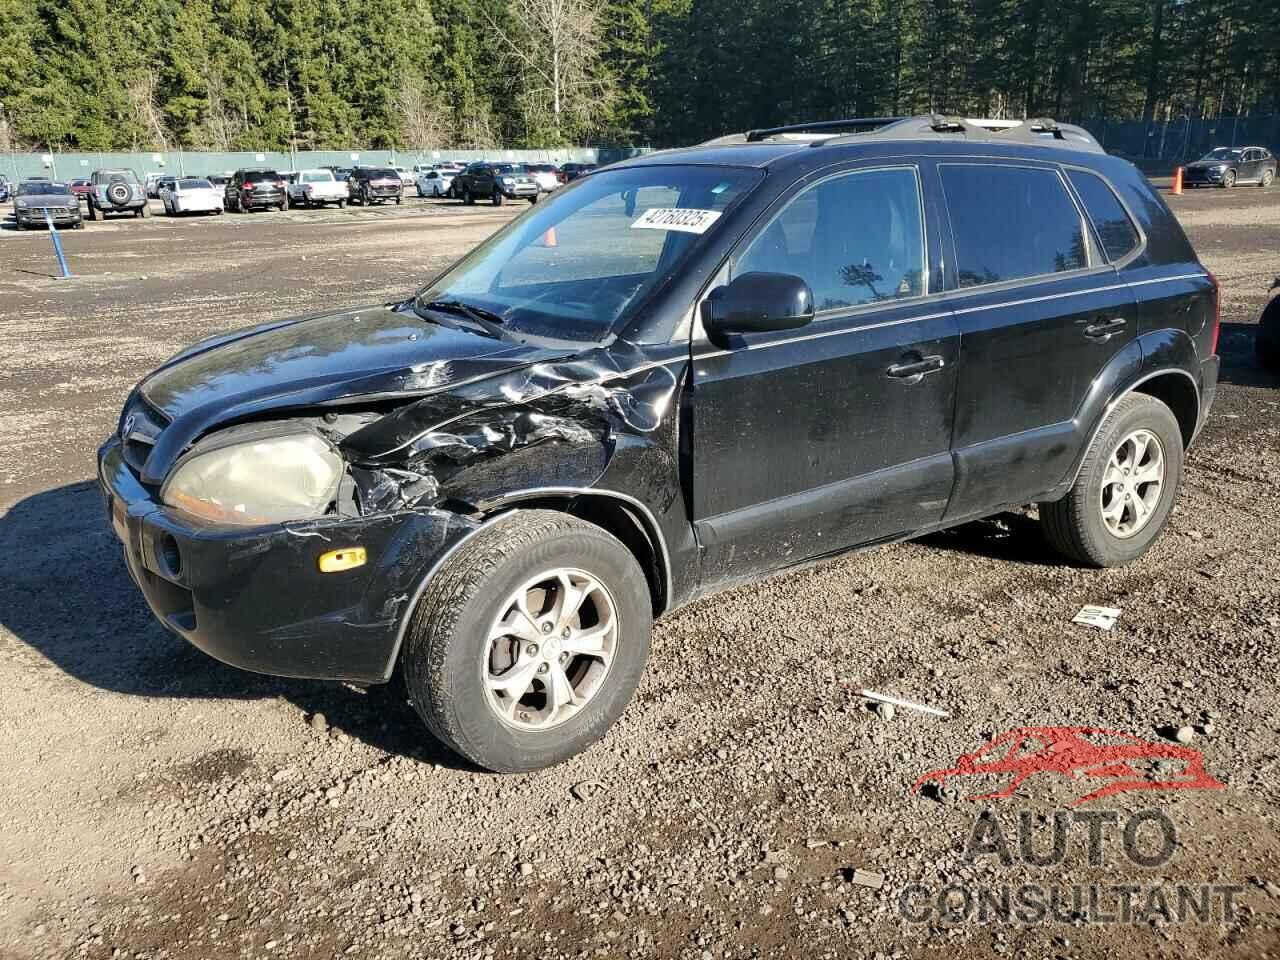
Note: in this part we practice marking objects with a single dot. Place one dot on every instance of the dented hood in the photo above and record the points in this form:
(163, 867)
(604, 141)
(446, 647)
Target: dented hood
(368, 353)
(355, 352)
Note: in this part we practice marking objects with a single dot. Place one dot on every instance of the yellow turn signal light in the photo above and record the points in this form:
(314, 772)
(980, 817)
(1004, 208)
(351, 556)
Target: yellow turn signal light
(348, 558)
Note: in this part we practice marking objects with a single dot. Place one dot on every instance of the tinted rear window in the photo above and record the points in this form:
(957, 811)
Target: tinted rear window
(195, 184)
(1116, 231)
(1011, 222)
(383, 175)
(258, 176)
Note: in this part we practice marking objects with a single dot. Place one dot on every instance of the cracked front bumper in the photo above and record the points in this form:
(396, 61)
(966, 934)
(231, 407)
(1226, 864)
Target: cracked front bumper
(254, 597)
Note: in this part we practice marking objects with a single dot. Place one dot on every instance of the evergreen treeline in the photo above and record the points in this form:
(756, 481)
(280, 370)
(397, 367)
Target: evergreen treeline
(315, 74)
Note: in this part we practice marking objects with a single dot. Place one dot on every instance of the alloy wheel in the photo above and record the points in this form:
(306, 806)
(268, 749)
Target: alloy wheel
(1132, 484)
(549, 649)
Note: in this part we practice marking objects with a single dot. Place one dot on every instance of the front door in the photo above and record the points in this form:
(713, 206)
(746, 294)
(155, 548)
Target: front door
(808, 442)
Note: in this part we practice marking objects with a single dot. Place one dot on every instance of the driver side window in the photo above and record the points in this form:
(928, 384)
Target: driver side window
(857, 238)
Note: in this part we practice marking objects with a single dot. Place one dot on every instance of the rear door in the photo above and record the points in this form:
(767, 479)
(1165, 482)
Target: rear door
(807, 442)
(1040, 313)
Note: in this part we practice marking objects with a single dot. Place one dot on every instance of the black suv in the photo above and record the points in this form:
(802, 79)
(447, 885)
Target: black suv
(1229, 166)
(250, 190)
(682, 372)
(495, 182)
(370, 185)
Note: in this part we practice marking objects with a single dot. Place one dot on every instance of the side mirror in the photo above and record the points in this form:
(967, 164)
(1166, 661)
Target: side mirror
(757, 303)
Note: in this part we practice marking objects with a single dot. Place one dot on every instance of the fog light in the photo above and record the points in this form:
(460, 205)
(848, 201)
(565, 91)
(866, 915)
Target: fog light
(348, 558)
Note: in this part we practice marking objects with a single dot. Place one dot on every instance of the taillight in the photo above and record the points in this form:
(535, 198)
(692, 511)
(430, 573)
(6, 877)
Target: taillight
(247, 185)
(1217, 312)
(279, 184)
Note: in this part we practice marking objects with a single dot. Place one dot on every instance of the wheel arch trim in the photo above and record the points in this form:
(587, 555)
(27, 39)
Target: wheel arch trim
(506, 505)
(1120, 395)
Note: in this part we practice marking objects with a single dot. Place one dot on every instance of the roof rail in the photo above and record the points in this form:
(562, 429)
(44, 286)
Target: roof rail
(1042, 132)
(820, 126)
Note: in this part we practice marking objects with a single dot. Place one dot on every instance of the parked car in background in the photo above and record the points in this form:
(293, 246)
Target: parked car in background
(6, 188)
(495, 182)
(315, 188)
(572, 171)
(547, 175)
(192, 195)
(116, 191)
(163, 184)
(81, 187)
(370, 185)
(218, 180)
(341, 174)
(152, 183)
(405, 174)
(434, 183)
(36, 197)
(249, 190)
(1229, 166)
(1267, 343)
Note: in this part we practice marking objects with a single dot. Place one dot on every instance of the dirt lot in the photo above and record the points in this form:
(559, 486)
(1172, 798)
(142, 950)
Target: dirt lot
(160, 805)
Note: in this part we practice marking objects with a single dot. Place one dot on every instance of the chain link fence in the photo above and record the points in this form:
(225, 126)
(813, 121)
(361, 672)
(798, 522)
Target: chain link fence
(1165, 144)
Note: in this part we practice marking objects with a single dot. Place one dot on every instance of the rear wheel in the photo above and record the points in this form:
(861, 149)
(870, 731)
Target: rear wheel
(1229, 179)
(1267, 177)
(1125, 489)
(529, 642)
(467, 198)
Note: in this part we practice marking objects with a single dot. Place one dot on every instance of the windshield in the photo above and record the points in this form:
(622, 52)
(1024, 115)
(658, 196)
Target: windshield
(317, 176)
(576, 266)
(44, 189)
(1223, 153)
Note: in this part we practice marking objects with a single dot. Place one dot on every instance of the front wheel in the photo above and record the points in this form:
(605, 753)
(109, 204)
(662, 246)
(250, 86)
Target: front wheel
(1229, 179)
(529, 642)
(1267, 177)
(467, 198)
(1125, 489)
(496, 199)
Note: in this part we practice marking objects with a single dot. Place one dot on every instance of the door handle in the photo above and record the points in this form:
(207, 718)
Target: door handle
(1105, 330)
(914, 371)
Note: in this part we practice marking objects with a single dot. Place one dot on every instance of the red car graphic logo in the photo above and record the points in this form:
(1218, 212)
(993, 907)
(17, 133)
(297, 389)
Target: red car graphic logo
(1078, 752)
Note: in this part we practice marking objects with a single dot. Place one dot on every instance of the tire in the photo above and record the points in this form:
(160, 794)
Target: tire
(398, 201)
(533, 199)
(496, 199)
(467, 198)
(1228, 180)
(1074, 525)
(1267, 177)
(341, 204)
(448, 638)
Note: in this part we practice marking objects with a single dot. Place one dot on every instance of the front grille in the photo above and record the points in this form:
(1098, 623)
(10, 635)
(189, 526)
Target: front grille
(140, 427)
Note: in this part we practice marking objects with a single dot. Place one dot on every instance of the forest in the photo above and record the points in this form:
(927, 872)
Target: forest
(318, 74)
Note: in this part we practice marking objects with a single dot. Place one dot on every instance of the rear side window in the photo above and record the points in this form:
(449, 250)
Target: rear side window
(1116, 231)
(1011, 223)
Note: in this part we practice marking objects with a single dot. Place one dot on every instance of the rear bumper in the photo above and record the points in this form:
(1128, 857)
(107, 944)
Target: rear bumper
(254, 597)
(520, 190)
(1208, 388)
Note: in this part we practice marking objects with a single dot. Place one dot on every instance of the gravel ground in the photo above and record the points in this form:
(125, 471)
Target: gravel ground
(160, 805)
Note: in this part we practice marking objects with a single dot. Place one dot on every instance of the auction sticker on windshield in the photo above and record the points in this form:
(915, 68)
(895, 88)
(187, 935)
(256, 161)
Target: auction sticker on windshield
(672, 218)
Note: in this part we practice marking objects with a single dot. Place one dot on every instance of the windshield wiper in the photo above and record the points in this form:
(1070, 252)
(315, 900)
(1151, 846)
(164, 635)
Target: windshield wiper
(487, 320)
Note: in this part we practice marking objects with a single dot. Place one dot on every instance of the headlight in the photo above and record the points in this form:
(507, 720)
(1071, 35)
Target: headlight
(508, 181)
(22, 203)
(273, 480)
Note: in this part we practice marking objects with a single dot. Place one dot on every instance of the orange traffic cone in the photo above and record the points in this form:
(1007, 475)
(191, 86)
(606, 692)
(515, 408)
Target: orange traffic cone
(1177, 182)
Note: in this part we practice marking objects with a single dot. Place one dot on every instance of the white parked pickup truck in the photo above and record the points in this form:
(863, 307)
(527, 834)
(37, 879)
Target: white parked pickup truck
(315, 188)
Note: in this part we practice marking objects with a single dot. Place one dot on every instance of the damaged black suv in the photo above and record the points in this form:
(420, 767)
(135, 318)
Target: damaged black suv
(683, 372)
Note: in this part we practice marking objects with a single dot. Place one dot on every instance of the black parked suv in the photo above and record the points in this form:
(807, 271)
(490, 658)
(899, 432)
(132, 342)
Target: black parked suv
(495, 182)
(250, 190)
(685, 371)
(370, 185)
